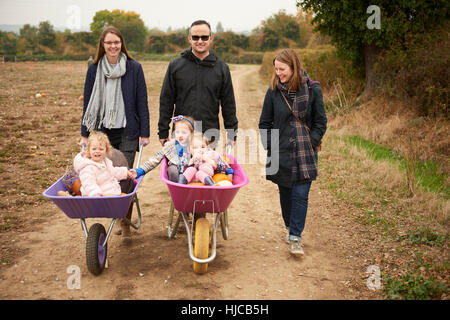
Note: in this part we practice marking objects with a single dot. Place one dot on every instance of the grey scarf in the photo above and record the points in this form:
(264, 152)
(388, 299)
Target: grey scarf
(95, 111)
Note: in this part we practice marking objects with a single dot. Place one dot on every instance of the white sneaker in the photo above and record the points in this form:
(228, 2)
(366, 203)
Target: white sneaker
(287, 236)
(295, 247)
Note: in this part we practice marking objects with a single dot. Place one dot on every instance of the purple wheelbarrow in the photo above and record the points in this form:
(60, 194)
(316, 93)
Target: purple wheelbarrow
(200, 200)
(114, 207)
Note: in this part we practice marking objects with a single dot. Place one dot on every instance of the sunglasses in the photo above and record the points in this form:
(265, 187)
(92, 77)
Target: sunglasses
(196, 38)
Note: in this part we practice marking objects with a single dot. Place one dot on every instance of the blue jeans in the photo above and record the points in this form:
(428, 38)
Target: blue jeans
(294, 206)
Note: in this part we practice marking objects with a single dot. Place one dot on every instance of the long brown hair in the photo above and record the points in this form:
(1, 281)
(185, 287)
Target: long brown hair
(289, 57)
(101, 48)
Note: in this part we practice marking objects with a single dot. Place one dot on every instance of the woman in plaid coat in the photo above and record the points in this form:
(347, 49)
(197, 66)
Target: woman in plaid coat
(292, 124)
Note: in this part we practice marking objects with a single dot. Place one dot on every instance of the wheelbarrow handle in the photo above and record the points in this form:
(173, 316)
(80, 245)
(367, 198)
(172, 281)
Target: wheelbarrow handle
(229, 148)
(141, 147)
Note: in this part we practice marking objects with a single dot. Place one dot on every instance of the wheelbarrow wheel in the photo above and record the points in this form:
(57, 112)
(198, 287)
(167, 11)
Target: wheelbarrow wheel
(95, 252)
(201, 244)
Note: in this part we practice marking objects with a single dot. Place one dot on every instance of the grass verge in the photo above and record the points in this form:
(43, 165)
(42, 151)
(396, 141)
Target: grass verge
(407, 236)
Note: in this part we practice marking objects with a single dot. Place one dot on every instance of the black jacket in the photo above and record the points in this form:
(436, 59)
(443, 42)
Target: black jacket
(196, 88)
(276, 114)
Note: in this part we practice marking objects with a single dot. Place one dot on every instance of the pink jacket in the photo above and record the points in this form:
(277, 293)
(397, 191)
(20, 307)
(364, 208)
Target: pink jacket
(98, 179)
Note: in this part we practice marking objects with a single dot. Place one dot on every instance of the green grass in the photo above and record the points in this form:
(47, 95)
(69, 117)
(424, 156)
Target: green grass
(428, 174)
(413, 287)
(428, 237)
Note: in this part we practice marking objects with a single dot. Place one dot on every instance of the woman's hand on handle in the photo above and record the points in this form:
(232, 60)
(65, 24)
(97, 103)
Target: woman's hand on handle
(144, 140)
(163, 141)
(83, 141)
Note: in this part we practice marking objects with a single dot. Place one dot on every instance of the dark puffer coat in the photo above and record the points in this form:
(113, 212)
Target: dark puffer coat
(277, 115)
(196, 88)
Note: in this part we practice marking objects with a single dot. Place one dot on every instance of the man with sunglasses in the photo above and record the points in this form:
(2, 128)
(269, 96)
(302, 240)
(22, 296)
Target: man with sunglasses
(195, 84)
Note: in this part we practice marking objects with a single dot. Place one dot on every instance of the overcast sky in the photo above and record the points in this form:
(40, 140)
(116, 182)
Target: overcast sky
(235, 15)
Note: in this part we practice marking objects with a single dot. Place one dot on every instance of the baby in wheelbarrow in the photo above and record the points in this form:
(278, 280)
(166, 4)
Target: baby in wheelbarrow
(205, 163)
(179, 153)
(98, 175)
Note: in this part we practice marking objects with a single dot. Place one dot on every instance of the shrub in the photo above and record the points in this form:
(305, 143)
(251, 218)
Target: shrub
(413, 287)
(243, 57)
(322, 64)
(418, 72)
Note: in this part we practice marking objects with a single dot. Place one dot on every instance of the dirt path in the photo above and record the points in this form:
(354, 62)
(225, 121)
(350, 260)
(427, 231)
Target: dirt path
(254, 263)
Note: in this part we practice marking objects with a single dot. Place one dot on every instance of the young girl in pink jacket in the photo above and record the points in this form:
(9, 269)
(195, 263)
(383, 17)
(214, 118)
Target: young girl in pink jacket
(98, 176)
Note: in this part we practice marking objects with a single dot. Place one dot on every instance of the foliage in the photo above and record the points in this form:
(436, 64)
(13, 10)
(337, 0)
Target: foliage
(29, 35)
(129, 23)
(345, 22)
(425, 235)
(324, 65)
(166, 42)
(304, 19)
(279, 30)
(426, 174)
(417, 72)
(230, 42)
(8, 43)
(413, 287)
(245, 57)
(46, 34)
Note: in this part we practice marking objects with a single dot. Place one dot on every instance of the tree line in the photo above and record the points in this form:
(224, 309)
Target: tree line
(277, 31)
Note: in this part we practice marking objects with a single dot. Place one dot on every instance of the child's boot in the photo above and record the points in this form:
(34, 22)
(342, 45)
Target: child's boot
(182, 179)
(209, 181)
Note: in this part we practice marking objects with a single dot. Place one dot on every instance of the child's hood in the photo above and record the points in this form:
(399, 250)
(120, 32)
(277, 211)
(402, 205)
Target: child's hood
(80, 162)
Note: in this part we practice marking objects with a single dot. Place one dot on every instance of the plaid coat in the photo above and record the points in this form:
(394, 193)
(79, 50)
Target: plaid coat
(276, 115)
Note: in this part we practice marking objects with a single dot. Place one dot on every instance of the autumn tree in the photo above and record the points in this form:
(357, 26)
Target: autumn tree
(279, 30)
(8, 43)
(29, 39)
(353, 29)
(129, 23)
(46, 34)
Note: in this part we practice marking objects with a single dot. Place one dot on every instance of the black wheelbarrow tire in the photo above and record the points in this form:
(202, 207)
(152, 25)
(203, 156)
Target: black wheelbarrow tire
(201, 244)
(95, 253)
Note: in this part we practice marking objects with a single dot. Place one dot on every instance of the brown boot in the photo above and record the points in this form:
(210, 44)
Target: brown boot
(126, 233)
(118, 227)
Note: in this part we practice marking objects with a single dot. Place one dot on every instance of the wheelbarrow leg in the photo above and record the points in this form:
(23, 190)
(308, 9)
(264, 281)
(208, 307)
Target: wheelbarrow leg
(172, 231)
(136, 227)
(224, 224)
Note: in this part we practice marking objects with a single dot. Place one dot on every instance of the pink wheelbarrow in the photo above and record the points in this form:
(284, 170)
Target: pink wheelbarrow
(114, 207)
(200, 200)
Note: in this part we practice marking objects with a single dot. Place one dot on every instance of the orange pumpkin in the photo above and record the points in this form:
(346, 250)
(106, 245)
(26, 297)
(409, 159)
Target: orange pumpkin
(220, 177)
(76, 188)
(196, 184)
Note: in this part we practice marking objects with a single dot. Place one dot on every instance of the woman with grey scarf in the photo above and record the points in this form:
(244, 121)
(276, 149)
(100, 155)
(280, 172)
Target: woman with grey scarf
(115, 100)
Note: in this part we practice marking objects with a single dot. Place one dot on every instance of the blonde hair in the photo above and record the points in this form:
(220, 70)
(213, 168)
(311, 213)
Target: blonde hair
(99, 137)
(289, 57)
